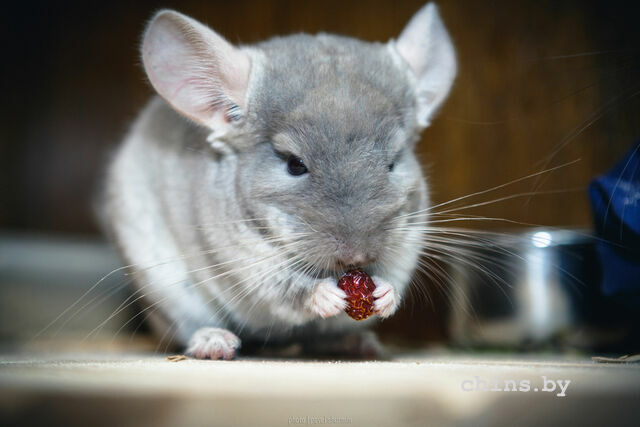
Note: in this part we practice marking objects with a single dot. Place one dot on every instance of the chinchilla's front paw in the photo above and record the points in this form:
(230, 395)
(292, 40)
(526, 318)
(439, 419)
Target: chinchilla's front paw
(327, 299)
(213, 343)
(387, 298)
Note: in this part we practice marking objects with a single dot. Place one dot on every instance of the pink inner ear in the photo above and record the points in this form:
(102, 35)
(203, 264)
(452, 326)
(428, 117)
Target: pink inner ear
(185, 83)
(413, 43)
(235, 67)
(412, 56)
(194, 69)
(426, 47)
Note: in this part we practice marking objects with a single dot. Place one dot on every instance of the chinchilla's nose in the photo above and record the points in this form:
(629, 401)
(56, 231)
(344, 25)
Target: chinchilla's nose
(355, 260)
(347, 258)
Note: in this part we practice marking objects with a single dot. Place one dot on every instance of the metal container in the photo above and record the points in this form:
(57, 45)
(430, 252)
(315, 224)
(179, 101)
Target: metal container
(517, 289)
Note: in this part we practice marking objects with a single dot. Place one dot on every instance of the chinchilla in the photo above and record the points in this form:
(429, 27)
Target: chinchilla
(261, 173)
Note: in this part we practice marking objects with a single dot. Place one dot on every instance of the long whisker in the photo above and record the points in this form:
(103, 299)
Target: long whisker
(488, 190)
(141, 270)
(178, 283)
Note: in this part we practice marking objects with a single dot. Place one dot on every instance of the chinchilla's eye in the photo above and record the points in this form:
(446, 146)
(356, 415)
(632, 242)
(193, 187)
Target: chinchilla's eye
(295, 166)
(392, 165)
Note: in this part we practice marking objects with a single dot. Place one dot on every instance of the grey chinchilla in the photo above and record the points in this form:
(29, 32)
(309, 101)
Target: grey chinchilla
(261, 173)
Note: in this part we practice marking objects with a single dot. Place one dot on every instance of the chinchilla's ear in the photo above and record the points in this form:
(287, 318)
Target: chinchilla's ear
(195, 70)
(426, 47)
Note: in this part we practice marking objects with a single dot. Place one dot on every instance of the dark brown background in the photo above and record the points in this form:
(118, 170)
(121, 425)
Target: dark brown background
(540, 83)
(534, 75)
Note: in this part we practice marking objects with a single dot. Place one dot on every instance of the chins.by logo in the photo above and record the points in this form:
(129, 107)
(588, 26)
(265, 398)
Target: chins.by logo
(522, 386)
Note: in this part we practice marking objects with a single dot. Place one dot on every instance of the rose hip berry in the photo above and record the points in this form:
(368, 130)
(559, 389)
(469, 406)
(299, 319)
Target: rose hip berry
(359, 289)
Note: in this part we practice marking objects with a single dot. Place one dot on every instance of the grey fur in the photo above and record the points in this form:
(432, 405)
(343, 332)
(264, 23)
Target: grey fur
(347, 108)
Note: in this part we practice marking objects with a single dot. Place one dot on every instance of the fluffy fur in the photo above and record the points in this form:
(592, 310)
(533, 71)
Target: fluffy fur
(199, 199)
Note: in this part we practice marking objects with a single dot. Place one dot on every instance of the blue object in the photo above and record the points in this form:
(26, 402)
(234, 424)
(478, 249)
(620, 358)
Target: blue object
(615, 200)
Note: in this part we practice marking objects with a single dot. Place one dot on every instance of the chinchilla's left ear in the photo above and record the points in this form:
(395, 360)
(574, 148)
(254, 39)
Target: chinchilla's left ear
(426, 47)
(195, 70)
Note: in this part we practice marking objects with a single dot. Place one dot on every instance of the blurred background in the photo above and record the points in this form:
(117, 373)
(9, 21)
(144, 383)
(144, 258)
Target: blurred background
(541, 84)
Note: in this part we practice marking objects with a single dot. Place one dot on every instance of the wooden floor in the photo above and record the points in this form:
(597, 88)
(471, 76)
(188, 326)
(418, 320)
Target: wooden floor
(413, 389)
(73, 376)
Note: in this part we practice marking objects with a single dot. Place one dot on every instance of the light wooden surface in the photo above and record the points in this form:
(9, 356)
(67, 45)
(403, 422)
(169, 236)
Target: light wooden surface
(419, 389)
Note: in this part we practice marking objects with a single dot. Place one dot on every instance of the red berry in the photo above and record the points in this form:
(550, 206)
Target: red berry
(359, 289)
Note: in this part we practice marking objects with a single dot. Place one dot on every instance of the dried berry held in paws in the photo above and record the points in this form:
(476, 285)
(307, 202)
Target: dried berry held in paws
(359, 289)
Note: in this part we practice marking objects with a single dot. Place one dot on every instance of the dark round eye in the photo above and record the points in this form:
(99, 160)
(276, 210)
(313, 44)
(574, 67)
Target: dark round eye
(295, 166)
(391, 166)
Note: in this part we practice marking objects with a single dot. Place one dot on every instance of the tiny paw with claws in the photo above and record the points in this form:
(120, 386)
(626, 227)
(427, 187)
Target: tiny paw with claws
(327, 299)
(213, 343)
(387, 298)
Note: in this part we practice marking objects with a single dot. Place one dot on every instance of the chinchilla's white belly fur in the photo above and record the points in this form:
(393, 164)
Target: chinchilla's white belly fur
(170, 215)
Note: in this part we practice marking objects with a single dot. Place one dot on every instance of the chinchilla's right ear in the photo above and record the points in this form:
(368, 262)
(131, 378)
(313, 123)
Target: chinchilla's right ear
(195, 70)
